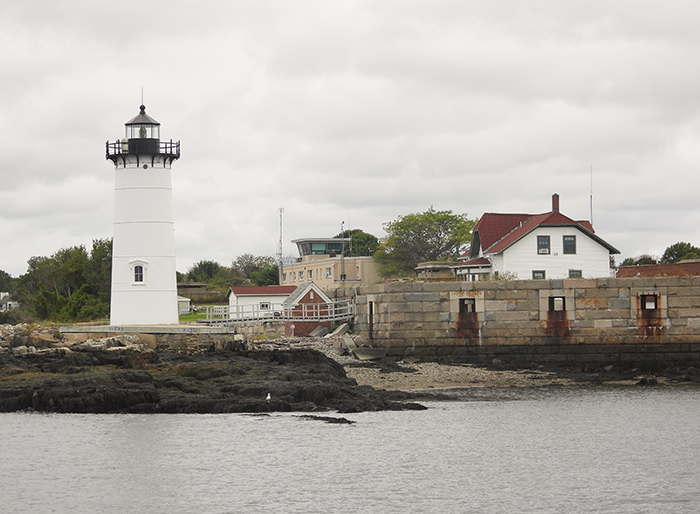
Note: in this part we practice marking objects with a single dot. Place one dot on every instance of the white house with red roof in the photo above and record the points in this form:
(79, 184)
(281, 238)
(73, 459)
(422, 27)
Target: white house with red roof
(254, 301)
(535, 246)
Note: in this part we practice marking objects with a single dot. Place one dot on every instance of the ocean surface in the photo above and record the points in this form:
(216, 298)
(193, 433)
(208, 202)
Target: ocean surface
(558, 450)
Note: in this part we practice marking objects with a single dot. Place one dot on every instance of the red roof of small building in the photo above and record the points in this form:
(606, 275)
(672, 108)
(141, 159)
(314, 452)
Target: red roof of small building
(479, 261)
(262, 290)
(683, 268)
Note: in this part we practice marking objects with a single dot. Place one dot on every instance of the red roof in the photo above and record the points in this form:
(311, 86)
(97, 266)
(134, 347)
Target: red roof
(263, 290)
(493, 226)
(683, 268)
(496, 232)
(479, 261)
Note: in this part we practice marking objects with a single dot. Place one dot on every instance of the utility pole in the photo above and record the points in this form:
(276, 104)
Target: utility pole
(279, 247)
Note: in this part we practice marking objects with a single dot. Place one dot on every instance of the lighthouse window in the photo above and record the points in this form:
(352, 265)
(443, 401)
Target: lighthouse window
(138, 273)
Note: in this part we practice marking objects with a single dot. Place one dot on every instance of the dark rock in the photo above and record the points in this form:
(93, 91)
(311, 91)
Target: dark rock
(328, 419)
(648, 381)
(123, 379)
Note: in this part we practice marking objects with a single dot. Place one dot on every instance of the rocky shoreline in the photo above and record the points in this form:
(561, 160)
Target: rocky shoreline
(116, 375)
(39, 372)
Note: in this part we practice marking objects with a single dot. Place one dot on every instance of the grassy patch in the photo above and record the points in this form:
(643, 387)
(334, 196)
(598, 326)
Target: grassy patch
(192, 317)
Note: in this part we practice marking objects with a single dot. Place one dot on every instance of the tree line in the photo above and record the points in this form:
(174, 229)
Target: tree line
(677, 252)
(74, 283)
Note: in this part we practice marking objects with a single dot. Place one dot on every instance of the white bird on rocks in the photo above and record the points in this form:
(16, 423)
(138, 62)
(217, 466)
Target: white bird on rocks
(268, 397)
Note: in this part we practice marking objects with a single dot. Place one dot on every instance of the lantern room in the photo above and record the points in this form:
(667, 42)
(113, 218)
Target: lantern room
(142, 145)
(142, 126)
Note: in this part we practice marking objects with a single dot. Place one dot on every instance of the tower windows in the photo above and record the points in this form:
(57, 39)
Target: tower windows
(138, 272)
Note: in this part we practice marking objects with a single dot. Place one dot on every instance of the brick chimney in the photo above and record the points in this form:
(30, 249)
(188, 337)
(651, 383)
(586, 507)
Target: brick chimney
(555, 202)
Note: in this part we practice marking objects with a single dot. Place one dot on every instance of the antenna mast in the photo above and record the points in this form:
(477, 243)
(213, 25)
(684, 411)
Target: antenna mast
(591, 195)
(279, 244)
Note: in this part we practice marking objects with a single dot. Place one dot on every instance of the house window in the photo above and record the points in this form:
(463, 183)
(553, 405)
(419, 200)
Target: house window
(328, 273)
(557, 303)
(310, 274)
(649, 302)
(264, 306)
(284, 277)
(575, 273)
(138, 273)
(538, 274)
(569, 245)
(543, 245)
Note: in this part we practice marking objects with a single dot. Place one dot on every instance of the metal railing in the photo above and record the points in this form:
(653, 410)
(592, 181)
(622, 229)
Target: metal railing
(120, 149)
(334, 311)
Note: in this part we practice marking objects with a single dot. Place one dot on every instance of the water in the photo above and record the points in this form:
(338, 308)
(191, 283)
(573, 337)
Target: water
(625, 450)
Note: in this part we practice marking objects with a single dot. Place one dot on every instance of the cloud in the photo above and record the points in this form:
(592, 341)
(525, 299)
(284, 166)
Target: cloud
(350, 111)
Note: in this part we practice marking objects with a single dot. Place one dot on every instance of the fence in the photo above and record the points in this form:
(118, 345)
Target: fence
(226, 314)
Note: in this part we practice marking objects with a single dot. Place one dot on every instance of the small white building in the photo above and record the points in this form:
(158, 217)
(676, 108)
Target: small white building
(184, 305)
(7, 303)
(535, 246)
(256, 301)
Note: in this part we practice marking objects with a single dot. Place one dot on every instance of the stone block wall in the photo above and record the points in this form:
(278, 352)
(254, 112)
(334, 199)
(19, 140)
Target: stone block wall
(577, 320)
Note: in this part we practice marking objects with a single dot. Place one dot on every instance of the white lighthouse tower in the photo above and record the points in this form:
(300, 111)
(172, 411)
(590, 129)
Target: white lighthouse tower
(144, 283)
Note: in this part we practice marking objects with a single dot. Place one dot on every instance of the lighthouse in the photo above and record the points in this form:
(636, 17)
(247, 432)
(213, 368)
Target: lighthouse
(144, 282)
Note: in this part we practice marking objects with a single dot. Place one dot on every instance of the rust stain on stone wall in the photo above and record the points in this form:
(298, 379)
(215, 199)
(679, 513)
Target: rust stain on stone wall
(649, 323)
(468, 325)
(557, 324)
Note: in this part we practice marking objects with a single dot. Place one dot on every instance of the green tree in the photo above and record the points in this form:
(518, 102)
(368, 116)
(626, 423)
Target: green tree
(639, 260)
(99, 269)
(428, 236)
(217, 277)
(678, 252)
(204, 271)
(246, 264)
(7, 283)
(268, 276)
(69, 285)
(362, 244)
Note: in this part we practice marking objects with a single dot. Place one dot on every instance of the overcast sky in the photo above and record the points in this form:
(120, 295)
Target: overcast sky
(351, 111)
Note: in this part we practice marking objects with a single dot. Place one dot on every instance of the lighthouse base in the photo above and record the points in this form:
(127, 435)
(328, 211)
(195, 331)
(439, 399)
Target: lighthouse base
(137, 308)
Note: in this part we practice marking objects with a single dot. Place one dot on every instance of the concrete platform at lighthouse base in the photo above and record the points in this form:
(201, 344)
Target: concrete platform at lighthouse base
(146, 329)
(152, 336)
